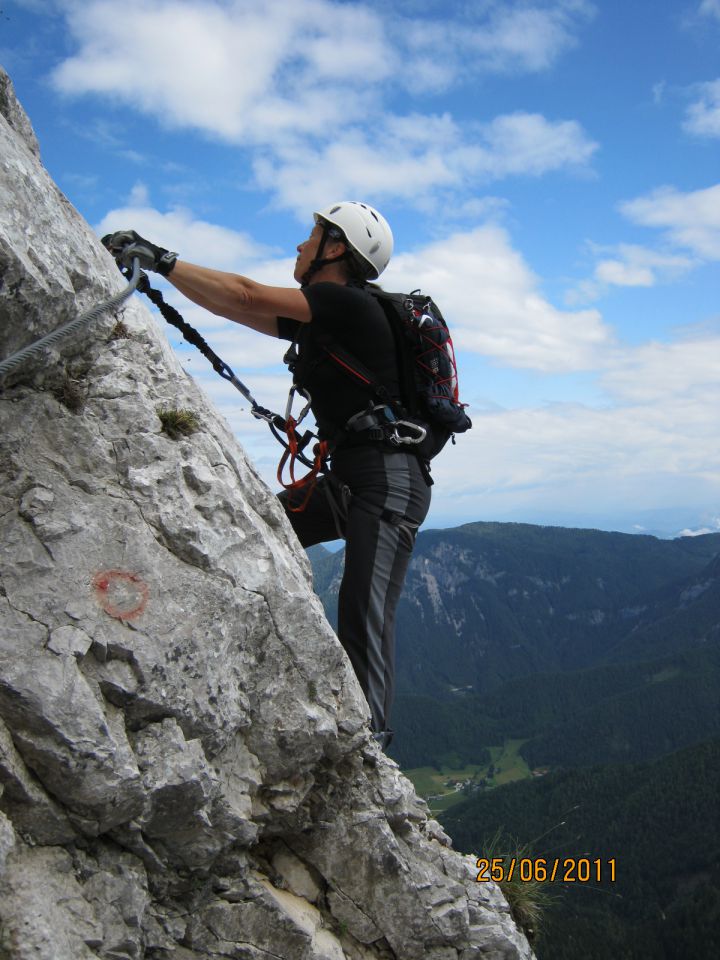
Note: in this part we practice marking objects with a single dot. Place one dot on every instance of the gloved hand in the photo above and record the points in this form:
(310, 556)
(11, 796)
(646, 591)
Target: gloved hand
(124, 245)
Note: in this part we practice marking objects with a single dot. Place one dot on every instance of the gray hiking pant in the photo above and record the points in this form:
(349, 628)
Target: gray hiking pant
(377, 499)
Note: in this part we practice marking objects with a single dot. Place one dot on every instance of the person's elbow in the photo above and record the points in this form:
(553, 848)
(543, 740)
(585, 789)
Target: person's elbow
(239, 295)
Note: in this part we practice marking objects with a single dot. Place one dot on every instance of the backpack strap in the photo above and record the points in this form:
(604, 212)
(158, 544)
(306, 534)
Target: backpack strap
(394, 307)
(354, 369)
(385, 418)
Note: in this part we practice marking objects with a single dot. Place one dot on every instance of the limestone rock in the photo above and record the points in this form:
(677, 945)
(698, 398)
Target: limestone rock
(7, 840)
(43, 913)
(15, 115)
(186, 767)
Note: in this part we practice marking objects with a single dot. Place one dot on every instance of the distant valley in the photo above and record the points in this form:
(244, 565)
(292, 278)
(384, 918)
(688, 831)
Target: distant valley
(592, 659)
(593, 647)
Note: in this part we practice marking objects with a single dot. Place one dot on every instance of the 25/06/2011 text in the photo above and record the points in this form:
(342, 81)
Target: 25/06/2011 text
(542, 869)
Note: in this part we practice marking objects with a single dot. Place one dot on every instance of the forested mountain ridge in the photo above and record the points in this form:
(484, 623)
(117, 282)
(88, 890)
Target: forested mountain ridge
(688, 612)
(626, 712)
(592, 647)
(660, 824)
(487, 602)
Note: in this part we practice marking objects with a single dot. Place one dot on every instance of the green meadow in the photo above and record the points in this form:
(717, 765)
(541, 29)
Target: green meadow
(448, 785)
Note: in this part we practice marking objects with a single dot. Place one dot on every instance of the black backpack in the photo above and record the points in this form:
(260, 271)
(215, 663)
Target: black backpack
(427, 374)
(426, 361)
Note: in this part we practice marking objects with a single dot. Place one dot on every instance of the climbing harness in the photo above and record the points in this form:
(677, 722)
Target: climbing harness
(294, 450)
(307, 483)
(17, 359)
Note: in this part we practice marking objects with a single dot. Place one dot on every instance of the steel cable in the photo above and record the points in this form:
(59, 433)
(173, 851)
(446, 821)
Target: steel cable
(17, 359)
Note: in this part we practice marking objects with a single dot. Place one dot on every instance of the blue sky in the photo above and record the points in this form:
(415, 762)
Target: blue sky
(550, 171)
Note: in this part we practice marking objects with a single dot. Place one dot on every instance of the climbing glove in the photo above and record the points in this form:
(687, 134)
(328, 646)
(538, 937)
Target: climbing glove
(125, 245)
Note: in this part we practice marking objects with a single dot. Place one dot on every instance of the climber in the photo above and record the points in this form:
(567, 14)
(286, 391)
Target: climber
(375, 493)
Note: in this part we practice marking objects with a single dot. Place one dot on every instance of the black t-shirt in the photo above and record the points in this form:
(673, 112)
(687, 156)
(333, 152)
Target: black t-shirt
(354, 319)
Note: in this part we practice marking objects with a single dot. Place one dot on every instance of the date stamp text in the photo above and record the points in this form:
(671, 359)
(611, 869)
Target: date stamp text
(546, 869)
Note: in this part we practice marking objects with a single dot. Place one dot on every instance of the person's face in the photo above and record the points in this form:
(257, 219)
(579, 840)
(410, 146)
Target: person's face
(307, 251)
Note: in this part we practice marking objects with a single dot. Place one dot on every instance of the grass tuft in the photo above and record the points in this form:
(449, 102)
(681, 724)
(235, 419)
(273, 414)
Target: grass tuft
(119, 332)
(528, 899)
(178, 423)
(70, 394)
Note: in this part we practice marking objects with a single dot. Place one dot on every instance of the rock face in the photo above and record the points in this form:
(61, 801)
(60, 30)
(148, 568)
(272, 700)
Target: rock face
(186, 769)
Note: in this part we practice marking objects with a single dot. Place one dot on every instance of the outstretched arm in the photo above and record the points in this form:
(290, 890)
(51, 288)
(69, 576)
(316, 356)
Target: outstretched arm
(238, 298)
(229, 295)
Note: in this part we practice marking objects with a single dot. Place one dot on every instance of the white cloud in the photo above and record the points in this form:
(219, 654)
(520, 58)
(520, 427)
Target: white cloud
(228, 68)
(624, 273)
(479, 209)
(305, 86)
(658, 436)
(420, 158)
(666, 373)
(703, 116)
(710, 8)
(628, 265)
(527, 143)
(637, 266)
(715, 521)
(505, 38)
(355, 163)
(691, 220)
(197, 240)
(569, 458)
(691, 225)
(528, 37)
(495, 305)
(654, 433)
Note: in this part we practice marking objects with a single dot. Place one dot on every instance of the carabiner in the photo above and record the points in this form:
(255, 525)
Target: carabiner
(301, 392)
(397, 439)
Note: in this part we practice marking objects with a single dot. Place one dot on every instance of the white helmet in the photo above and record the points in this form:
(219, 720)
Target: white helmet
(367, 232)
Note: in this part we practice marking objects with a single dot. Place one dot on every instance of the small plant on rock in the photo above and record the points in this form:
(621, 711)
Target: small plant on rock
(69, 392)
(178, 423)
(528, 899)
(119, 332)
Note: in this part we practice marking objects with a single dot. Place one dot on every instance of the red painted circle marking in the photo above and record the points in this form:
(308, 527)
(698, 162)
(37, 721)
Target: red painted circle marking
(121, 595)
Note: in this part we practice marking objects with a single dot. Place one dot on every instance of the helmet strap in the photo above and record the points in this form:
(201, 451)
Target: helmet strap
(319, 262)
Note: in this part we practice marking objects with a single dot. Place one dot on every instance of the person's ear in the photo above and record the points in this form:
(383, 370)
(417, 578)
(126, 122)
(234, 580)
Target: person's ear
(334, 248)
